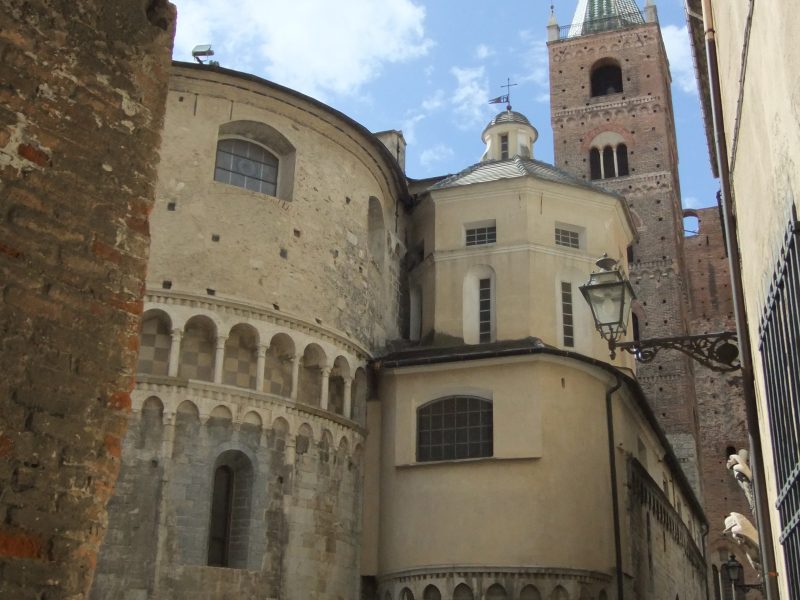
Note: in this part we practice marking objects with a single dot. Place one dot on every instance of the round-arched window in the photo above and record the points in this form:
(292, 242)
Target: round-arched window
(606, 78)
(246, 165)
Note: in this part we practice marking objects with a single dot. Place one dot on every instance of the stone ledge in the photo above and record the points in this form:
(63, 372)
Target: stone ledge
(233, 395)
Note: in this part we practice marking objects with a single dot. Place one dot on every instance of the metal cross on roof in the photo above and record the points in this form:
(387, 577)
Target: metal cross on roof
(505, 98)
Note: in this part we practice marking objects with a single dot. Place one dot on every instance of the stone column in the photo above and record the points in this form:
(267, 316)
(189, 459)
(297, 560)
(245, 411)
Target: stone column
(602, 164)
(260, 363)
(219, 358)
(168, 437)
(650, 12)
(348, 400)
(289, 454)
(295, 376)
(175, 352)
(323, 395)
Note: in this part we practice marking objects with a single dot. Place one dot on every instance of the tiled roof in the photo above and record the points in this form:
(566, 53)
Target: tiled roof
(509, 116)
(511, 168)
(592, 16)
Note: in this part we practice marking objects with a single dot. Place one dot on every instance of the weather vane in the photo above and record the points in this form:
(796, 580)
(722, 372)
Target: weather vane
(507, 97)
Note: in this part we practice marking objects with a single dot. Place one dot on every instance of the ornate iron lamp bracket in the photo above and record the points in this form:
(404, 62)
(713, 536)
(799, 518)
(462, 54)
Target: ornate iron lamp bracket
(716, 351)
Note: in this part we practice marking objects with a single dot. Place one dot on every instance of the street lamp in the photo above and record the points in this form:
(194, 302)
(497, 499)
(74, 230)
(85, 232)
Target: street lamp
(609, 294)
(735, 572)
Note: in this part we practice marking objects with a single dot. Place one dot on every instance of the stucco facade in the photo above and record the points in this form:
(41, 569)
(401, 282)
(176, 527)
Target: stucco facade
(757, 59)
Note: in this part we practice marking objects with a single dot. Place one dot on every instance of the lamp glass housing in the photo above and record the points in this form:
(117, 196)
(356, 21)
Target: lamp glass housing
(733, 569)
(609, 295)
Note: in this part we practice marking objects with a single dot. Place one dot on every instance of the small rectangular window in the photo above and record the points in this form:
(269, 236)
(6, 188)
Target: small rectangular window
(568, 238)
(504, 146)
(485, 310)
(566, 313)
(481, 235)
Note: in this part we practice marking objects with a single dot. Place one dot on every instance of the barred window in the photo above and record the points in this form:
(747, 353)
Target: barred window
(568, 238)
(454, 427)
(485, 310)
(481, 235)
(778, 341)
(246, 165)
(566, 314)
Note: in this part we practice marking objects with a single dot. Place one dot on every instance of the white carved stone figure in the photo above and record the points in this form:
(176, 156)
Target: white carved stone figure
(741, 531)
(739, 464)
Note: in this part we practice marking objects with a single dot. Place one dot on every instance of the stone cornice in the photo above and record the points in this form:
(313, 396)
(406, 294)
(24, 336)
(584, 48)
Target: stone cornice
(440, 571)
(629, 33)
(192, 389)
(471, 252)
(596, 107)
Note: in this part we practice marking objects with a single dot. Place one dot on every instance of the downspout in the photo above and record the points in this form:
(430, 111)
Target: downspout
(704, 541)
(769, 574)
(612, 467)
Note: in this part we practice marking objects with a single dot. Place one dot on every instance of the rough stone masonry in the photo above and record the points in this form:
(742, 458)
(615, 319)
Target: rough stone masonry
(82, 91)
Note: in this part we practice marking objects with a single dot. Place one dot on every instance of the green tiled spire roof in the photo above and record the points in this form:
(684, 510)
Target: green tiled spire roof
(593, 16)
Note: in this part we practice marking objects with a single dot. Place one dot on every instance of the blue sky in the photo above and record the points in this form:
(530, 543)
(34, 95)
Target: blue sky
(427, 67)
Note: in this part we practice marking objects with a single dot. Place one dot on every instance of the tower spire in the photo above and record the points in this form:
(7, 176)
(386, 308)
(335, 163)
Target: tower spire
(592, 16)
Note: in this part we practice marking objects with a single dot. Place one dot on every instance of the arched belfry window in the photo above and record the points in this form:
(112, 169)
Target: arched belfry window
(608, 156)
(606, 78)
(595, 170)
(622, 160)
(609, 169)
(231, 497)
(246, 165)
(454, 427)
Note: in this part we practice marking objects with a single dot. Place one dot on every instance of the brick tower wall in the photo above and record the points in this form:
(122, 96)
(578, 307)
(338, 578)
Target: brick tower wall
(642, 115)
(720, 402)
(81, 109)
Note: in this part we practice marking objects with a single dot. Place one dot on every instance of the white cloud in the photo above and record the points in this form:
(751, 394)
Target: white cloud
(434, 102)
(416, 116)
(536, 68)
(409, 127)
(470, 96)
(681, 64)
(437, 153)
(691, 202)
(311, 45)
(482, 52)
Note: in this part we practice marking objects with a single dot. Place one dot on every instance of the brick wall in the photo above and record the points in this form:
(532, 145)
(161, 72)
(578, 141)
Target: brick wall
(81, 106)
(720, 404)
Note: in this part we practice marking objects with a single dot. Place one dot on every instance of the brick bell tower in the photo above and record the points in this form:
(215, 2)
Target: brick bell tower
(612, 119)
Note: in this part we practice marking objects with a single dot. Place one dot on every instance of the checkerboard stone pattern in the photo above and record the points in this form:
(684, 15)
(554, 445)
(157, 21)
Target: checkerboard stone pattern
(239, 366)
(197, 352)
(154, 347)
(277, 374)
